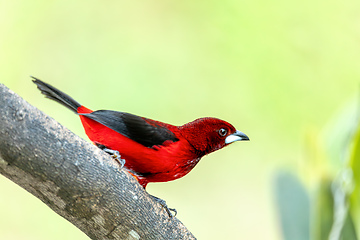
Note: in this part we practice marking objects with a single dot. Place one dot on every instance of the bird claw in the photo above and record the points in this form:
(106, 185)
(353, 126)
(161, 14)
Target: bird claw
(114, 154)
(164, 205)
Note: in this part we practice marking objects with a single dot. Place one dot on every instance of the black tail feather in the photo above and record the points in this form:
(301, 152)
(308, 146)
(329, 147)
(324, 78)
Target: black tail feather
(56, 95)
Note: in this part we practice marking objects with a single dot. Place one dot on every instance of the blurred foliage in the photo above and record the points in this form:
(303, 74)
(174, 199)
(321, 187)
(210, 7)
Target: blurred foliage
(276, 70)
(294, 207)
(355, 166)
(323, 211)
(335, 201)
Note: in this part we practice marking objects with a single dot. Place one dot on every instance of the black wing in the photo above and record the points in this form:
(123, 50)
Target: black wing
(133, 127)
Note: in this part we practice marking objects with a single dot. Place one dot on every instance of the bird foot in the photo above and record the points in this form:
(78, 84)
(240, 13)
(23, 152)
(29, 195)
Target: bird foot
(164, 205)
(114, 154)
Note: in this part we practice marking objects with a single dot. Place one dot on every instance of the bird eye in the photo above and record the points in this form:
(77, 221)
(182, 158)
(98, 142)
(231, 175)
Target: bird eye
(222, 132)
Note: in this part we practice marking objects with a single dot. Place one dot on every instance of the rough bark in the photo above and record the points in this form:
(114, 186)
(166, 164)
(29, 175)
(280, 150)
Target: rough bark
(76, 179)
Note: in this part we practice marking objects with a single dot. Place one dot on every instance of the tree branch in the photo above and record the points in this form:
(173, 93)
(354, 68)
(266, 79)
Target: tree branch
(76, 179)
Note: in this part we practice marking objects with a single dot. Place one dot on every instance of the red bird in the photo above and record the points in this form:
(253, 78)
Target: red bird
(153, 151)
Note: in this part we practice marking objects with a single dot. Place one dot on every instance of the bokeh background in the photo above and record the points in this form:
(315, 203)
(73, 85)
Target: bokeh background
(277, 70)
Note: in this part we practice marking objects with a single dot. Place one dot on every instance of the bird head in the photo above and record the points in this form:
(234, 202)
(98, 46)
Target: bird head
(207, 135)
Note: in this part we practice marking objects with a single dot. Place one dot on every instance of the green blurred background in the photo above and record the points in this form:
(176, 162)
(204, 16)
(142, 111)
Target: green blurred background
(276, 70)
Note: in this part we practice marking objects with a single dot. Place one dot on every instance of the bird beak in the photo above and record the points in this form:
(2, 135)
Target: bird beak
(236, 136)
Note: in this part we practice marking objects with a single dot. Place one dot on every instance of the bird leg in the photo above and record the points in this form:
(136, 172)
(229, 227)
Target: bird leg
(114, 154)
(164, 205)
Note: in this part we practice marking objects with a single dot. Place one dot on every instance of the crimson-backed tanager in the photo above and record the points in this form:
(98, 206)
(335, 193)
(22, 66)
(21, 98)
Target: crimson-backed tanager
(153, 151)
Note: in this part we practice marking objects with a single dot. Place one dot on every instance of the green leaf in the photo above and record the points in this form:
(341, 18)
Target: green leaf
(323, 212)
(348, 232)
(355, 166)
(294, 207)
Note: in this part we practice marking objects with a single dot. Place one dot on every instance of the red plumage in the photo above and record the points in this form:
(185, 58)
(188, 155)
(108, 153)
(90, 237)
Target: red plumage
(153, 151)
